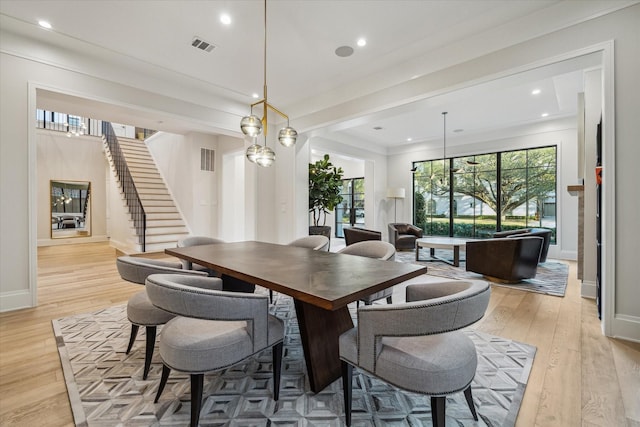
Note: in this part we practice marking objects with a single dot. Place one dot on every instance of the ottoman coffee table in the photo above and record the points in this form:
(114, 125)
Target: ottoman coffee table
(434, 243)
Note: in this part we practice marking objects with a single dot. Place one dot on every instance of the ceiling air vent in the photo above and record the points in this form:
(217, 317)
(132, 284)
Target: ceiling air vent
(202, 45)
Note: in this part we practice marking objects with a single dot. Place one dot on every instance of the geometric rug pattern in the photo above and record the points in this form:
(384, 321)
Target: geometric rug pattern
(105, 385)
(551, 276)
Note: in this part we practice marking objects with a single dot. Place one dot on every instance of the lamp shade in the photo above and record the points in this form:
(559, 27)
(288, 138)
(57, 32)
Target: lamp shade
(395, 193)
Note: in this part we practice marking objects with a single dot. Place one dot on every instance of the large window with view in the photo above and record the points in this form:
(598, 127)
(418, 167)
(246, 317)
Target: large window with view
(474, 196)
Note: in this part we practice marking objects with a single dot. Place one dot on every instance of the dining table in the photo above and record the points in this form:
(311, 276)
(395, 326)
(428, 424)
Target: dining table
(321, 284)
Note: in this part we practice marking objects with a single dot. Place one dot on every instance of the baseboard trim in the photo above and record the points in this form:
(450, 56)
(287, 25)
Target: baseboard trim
(16, 300)
(588, 289)
(626, 327)
(72, 240)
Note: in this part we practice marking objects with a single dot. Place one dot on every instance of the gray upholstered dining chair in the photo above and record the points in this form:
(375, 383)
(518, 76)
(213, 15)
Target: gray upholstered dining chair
(140, 311)
(230, 283)
(197, 241)
(373, 249)
(212, 330)
(416, 345)
(316, 242)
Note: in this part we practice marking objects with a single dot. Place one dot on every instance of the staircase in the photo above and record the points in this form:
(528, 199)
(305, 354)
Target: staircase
(164, 222)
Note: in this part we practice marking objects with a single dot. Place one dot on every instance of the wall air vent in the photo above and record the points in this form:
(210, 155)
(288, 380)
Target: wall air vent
(207, 159)
(202, 45)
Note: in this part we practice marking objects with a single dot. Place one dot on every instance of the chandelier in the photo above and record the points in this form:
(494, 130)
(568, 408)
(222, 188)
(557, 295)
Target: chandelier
(253, 126)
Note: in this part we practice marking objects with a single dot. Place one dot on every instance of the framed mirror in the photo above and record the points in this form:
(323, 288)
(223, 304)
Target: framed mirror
(70, 209)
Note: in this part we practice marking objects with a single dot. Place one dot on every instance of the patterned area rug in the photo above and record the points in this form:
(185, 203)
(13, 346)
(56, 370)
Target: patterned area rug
(551, 277)
(106, 388)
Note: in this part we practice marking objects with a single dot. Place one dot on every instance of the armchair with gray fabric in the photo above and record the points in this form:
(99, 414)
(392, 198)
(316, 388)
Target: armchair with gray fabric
(140, 311)
(545, 233)
(373, 249)
(403, 236)
(356, 234)
(507, 259)
(416, 345)
(212, 330)
(230, 283)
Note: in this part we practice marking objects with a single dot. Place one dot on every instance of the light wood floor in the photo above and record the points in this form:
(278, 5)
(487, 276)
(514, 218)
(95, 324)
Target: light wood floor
(579, 377)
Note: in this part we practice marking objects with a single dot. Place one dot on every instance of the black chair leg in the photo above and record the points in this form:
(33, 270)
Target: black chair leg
(148, 353)
(197, 385)
(347, 390)
(271, 296)
(132, 338)
(438, 410)
(469, 397)
(389, 300)
(163, 381)
(277, 368)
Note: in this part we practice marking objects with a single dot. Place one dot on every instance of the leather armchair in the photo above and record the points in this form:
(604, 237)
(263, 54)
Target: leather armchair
(356, 234)
(403, 236)
(545, 233)
(507, 260)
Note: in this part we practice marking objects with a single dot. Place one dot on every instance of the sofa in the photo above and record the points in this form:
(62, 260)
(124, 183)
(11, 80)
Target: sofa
(403, 236)
(356, 234)
(507, 259)
(545, 233)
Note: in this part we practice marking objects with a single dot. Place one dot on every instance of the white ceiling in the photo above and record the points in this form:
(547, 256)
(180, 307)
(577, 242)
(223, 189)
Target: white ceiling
(303, 71)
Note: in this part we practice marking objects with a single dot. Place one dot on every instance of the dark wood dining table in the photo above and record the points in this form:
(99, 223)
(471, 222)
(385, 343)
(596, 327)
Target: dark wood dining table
(320, 283)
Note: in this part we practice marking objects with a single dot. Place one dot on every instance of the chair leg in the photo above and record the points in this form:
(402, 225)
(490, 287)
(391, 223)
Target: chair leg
(438, 410)
(163, 381)
(277, 369)
(389, 300)
(347, 390)
(469, 397)
(197, 385)
(132, 338)
(271, 296)
(148, 352)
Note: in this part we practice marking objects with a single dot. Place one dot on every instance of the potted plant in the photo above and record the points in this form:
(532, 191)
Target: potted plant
(325, 185)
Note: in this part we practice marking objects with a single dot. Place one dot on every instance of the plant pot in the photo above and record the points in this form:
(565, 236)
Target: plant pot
(324, 230)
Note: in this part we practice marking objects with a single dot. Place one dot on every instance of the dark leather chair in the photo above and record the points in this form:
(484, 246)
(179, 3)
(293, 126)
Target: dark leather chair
(403, 236)
(356, 234)
(545, 233)
(507, 260)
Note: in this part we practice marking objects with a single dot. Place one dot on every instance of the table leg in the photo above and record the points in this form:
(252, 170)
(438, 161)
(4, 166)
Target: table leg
(320, 330)
(456, 256)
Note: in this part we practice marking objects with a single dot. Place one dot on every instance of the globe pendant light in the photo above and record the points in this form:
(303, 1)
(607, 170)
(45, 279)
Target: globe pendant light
(252, 151)
(266, 157)
(253, 125)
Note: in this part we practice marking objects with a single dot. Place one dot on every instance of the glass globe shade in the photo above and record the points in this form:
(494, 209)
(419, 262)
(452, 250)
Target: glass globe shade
(287, 136)
(265, 157)
(251, 125)
(253, 151)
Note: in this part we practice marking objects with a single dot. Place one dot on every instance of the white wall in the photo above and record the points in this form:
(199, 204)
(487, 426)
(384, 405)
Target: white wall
(70, 159)
(195, 191)
(592, 114)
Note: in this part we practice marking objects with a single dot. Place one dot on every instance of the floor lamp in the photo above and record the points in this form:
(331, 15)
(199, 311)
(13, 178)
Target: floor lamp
(395, 194)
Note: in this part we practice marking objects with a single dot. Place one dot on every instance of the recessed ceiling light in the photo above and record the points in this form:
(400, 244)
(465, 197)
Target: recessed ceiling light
(225, 19)
(344, 51)
(362, 42)
(44, 24)
(409, 139)
(544, 114)
(535, 92)
(255, 95)
(377, 128)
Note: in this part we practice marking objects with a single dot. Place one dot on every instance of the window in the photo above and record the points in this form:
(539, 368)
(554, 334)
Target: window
(474, 196)
(351, 211)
